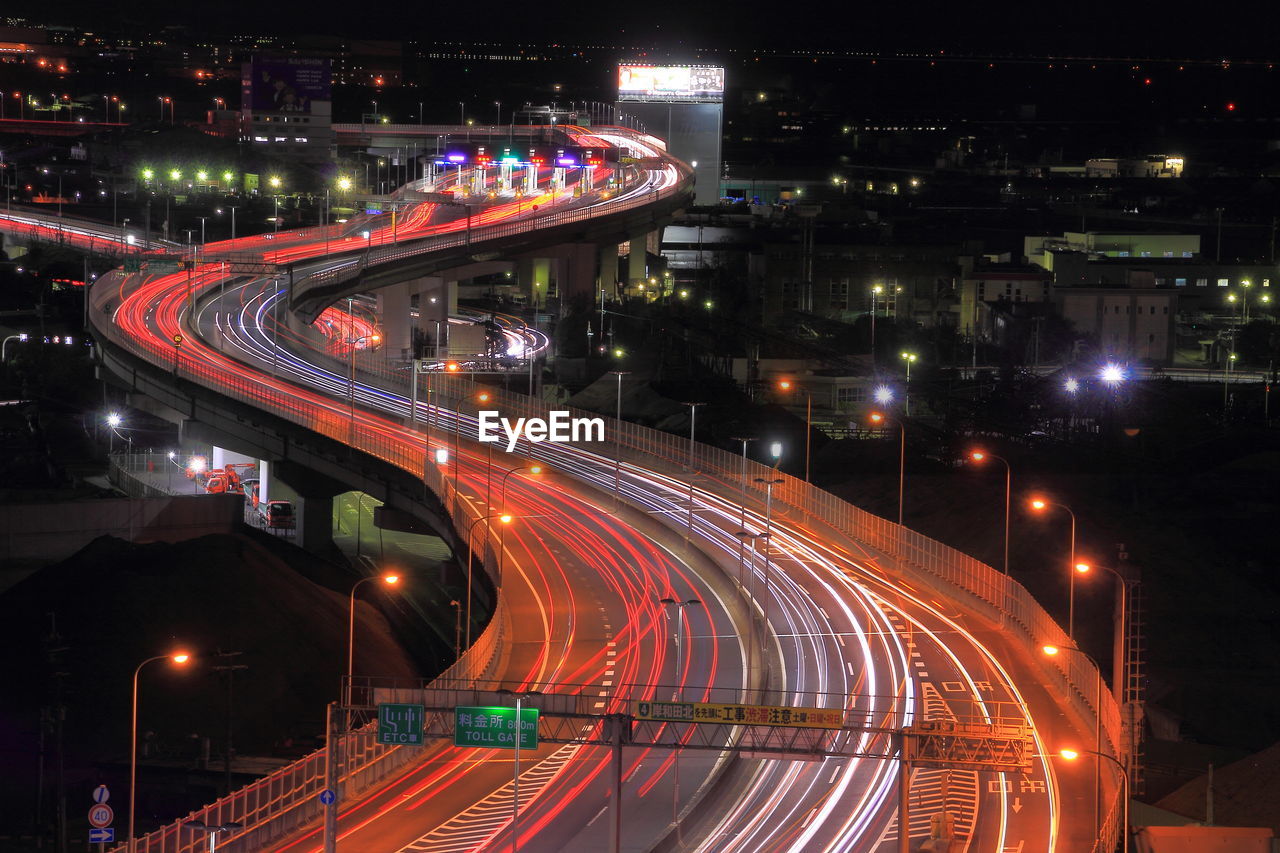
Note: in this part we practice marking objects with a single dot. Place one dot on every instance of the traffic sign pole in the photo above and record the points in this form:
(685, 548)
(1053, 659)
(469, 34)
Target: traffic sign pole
(331, 780)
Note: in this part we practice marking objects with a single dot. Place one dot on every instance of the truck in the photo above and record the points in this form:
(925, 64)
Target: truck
(228, 479)
(277, 514)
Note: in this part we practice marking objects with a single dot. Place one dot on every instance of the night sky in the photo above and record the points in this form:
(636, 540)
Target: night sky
(1003, 27)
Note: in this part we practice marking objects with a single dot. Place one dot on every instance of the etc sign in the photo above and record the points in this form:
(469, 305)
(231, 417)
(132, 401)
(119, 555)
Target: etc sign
(559, 428)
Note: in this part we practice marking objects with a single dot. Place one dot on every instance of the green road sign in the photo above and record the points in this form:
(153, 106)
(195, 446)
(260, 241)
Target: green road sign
(495, 727)
(133, 265)
(163, 266)
(400, 725)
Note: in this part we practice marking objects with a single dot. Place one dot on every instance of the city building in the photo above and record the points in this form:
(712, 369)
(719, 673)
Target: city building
(1151, 166)
(1127, 323)
(1111, 244)
(286, 105)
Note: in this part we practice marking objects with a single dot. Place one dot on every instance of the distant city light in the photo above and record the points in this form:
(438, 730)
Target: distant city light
(1111, 372)
(884, 395)
(1072, 385)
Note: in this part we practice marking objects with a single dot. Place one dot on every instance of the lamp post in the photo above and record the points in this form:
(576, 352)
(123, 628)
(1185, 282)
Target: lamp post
(113, 422)
(679, 606)
(909, 358)
(4, 346)
(1226, 376)
(505, 518)
(519, 696)
(389, 580)
(978, 456)
(1040, 505)
(1053, 651)
(879, 418)
(502, 488)
(767, 535)
(788, 385)
(201, 826)
(178, 658)
(876, 290)
(617, 437)
(1119, 640)
(693, 423)
(750, 588)
(1073, 754)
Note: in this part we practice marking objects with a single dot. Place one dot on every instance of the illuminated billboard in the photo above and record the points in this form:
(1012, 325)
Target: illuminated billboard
(698, 84)
(287, 84)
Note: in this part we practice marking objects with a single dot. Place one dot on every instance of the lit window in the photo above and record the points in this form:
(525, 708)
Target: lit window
(282, 139)
(1144, 254)
(1222, 282)
(260, 139)
(1202, 282)
(1179, 282)
(1123, 254)
(299, 139)
(1186, 254)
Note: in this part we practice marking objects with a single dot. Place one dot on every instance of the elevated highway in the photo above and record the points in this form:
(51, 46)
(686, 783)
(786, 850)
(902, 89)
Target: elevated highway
(804, 602)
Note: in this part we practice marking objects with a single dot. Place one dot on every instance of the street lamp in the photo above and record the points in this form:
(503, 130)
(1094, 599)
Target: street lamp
(4, 347)
(981, 456)
(502, 489)
(1119, 640)
(879, 418)
(788, 385)
(1111, 373)
(1040, 505)
(1054, 651)
(909, 358)
(519, 696)
(617, 437)
(767, 535)
(178, 658)
(389, 580)
(201, 826)
(679, 606)
(113, 423)
(1073, 754)
(876, 290)
(505, 518)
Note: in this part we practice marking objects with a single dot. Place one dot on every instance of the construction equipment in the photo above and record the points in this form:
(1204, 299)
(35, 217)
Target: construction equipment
(227, 479)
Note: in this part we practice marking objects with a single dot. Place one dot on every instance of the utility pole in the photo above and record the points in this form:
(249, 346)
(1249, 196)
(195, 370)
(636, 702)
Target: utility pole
(230, 670)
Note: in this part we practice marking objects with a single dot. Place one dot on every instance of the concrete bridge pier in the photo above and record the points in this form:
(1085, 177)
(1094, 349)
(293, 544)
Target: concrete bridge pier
(534, 278)
(608, 278)
(641, 245)
(313, 506)
(434, 298)
(393, 315)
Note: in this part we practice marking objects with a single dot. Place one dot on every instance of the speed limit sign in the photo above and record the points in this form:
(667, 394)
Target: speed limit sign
(100, 815)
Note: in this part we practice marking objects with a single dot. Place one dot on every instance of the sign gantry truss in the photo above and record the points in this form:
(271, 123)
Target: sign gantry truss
(994, 743)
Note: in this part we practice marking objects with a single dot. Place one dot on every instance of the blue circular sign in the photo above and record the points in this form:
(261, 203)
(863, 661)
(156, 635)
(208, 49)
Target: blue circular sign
(327, 796)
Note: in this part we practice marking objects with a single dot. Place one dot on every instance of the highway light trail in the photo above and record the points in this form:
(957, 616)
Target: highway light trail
(832, 626)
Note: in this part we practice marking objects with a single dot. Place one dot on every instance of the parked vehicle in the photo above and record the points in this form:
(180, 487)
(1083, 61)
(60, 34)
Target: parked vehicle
(278, 514)
(227, 479)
